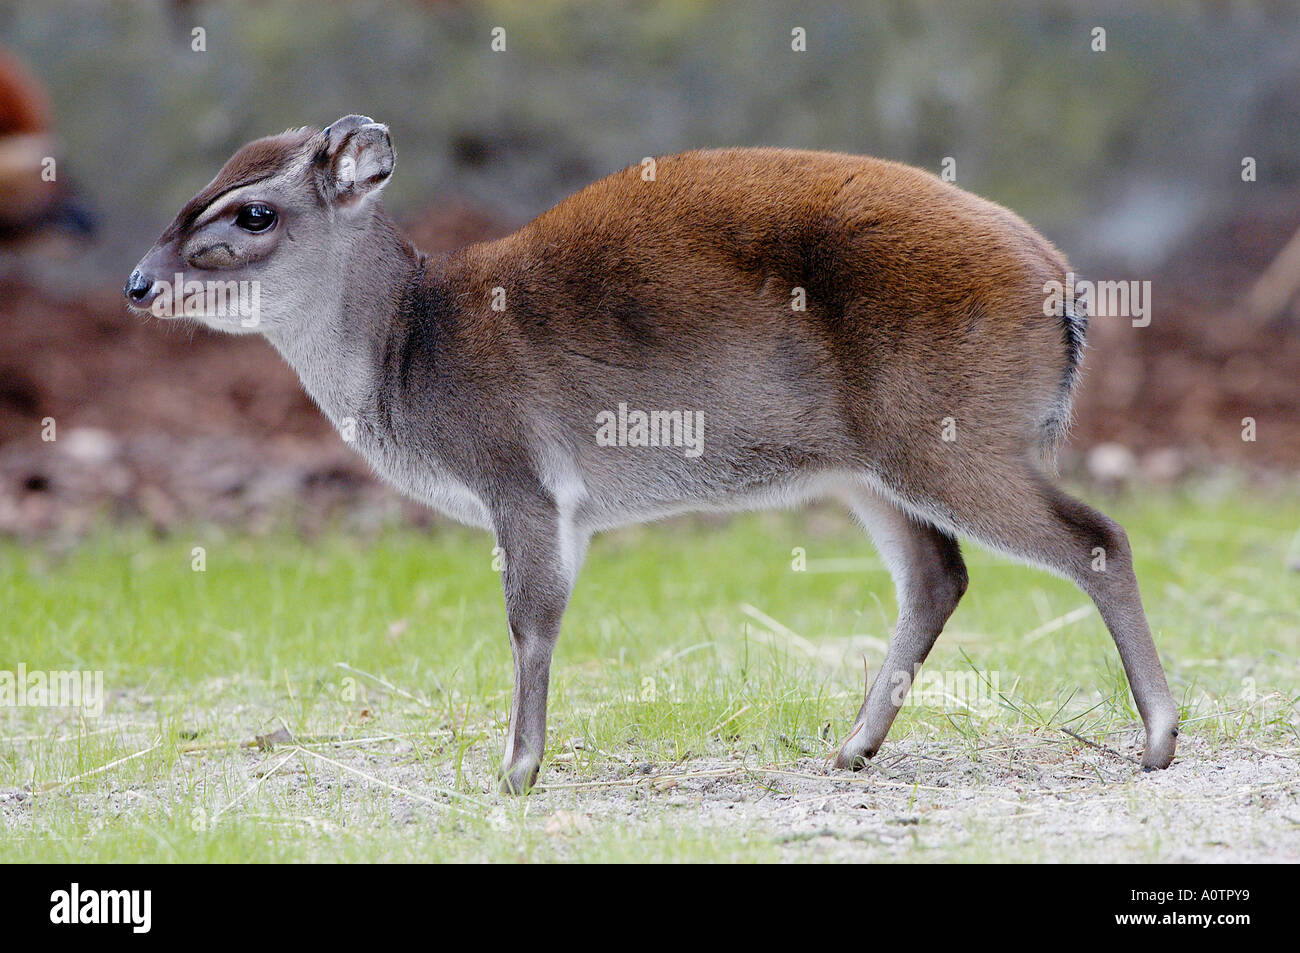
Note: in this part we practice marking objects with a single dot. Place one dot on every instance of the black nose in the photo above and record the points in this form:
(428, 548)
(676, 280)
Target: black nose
(137, 286)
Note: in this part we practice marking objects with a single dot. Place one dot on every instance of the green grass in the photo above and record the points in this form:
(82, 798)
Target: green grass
(388, 654)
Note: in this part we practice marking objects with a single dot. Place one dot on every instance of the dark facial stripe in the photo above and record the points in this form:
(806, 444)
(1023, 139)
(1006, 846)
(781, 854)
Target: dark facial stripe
(256, 162)
(203, 201)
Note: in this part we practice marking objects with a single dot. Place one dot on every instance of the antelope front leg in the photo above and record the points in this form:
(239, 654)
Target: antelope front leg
(537, 578)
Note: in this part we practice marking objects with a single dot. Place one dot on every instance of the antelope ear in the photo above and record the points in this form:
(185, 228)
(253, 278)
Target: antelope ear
(355, 160)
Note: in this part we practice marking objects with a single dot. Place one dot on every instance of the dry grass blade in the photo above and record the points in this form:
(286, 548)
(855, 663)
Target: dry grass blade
(1101, 747)
(445, 792)
(60, 785)
(251, 788)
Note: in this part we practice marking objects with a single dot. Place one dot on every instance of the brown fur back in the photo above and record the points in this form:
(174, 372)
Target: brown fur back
(924, 304)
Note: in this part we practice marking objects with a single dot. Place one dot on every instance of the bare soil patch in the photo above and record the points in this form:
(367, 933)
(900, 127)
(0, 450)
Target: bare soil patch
(1017, 797)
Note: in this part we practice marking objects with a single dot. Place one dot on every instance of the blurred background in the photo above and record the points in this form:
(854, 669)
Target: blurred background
(1171, 156)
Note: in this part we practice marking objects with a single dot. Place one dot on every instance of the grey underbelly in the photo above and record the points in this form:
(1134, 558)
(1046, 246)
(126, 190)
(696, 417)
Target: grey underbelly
(427, 484)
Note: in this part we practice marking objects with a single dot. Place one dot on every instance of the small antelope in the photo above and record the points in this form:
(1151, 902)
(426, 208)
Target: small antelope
(821, 324)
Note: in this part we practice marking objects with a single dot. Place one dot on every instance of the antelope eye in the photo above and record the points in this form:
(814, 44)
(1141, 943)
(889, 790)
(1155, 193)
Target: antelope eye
(255, 217)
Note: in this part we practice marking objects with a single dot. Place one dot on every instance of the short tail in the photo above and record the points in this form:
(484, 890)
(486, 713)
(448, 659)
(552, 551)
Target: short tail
(1056, 425)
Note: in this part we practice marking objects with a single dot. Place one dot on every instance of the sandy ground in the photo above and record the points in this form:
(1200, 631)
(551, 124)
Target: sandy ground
(1016, 798)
